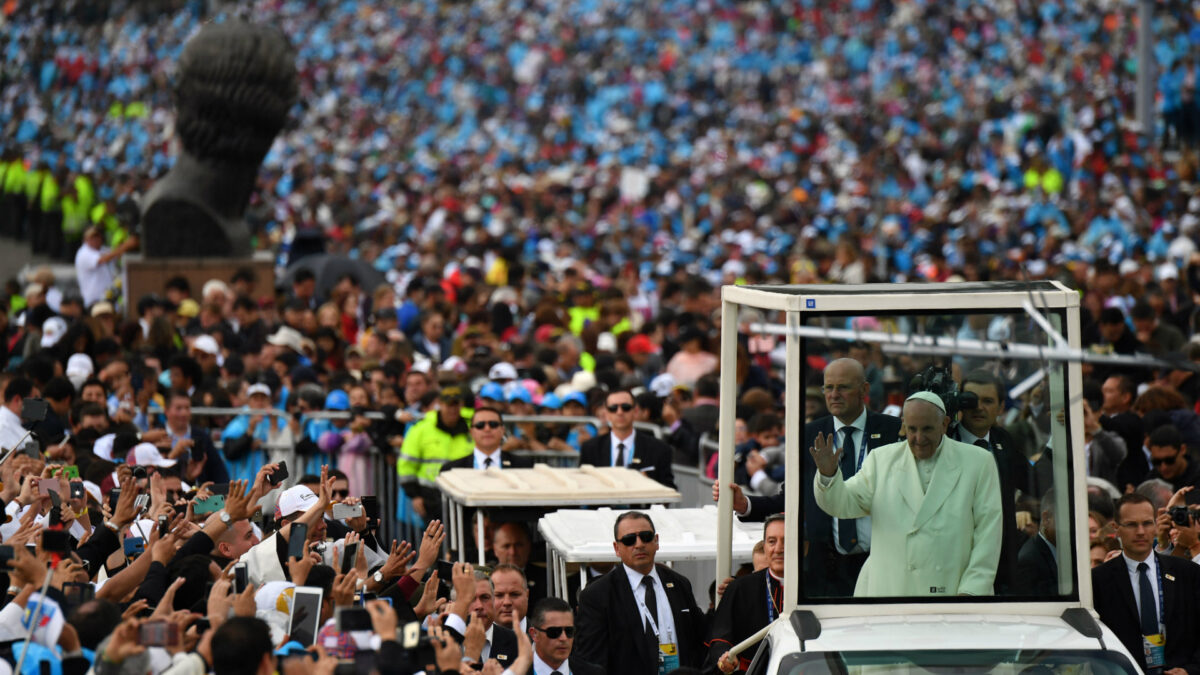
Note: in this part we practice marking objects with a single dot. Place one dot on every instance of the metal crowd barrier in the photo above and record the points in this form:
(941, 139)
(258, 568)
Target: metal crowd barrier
(383, 463)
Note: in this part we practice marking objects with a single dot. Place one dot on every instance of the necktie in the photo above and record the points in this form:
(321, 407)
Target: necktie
(487, 463)
(847, 530)
(555, 672)
(651, 603)
(621, 455)
(983, 444)
(1148, 615)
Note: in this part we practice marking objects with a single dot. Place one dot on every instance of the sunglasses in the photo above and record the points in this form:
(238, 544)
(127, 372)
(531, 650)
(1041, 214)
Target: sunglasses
(646, 536)
(452, 400)
(553, 632)
(624, 407)
(1166, 461)
(489, 424)
(340, 493)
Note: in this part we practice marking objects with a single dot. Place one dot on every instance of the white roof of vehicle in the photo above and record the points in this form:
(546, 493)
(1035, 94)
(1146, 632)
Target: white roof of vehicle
(940, 632)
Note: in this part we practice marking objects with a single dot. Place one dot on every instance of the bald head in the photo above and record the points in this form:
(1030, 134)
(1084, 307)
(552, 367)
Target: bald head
(845, 389)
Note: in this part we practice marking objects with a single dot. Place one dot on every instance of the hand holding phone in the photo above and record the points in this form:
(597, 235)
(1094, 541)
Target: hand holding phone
(158, 634)
(278, 475)
(297, 540)
(240, 577)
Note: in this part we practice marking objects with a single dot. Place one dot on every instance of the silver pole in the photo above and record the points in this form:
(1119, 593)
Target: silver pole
(1145, 73)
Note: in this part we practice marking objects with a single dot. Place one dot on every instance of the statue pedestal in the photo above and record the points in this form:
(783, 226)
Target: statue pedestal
(149, 275)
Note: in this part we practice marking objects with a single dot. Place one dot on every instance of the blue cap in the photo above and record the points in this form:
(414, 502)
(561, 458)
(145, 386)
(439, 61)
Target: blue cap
(291, 648)
(575, 396)
(337, 400)
(551, 401)
(492, 391)
(520, 394)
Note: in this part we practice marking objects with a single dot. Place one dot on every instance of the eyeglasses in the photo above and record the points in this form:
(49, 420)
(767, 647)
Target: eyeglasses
(624, 407)
(452, 400)
(1165, 461)
(553, 632)
(646, 536)
(488, 424)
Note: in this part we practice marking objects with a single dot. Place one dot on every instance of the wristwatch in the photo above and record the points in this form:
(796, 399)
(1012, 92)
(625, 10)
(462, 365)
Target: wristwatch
(378, 577)
(225, 517)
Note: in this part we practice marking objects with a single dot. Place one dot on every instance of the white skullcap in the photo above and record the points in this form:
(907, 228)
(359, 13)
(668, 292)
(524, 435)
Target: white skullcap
(928, 397)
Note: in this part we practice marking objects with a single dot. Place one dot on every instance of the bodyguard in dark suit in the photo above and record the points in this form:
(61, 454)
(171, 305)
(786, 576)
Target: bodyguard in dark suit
(978, 427)
(639, 612)
(1037, 564)
(1143, 593)
(622, 447)
(487, 430)
(552, 634)
(749, 603)
(836, 549)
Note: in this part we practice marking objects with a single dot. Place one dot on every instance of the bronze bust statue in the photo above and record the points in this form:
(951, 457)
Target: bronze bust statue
(235, 85)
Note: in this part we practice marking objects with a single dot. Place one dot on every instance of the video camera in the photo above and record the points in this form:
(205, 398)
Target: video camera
(938, 380)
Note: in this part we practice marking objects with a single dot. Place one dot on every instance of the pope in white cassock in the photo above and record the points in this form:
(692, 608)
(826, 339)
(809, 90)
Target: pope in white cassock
(934, 504)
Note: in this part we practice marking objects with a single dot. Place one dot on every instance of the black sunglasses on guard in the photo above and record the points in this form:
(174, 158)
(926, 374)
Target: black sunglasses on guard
(626, 407)
(646, 536)
(553, 632)
(488, 424)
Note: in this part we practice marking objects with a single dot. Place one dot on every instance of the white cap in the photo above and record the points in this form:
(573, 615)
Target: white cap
(52, 331)
(583, 381)
(502, 371)
(207, 344)
(295, 499)
(662, 385)
(93, 491)
(928, 397)
(102, 448)
(287, 336)
(145, 454)
(421, 365)
(259, 388)
(606, 342)
(454, 364)
(79, 369)
(1166, 271)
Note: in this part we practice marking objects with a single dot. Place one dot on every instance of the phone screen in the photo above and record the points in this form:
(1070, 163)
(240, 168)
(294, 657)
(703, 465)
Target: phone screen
(348, 557)
(370, 504)
(239, 577)
(211, 505)
(158, 634)
(296, 540)
(56, 541)
(352, 619)
(78, 593)
(306, 613)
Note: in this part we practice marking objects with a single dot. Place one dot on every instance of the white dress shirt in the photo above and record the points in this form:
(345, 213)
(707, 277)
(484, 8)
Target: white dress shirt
(1131, 566)
(966, 436)
(541, 668)
(457, 623)
(11, 430)
(863, 525)
(617, 459)
(665, 619)
(481, 459)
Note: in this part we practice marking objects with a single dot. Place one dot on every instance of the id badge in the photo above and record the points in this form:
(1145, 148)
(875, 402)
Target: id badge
(1155, 648)
(668, 657)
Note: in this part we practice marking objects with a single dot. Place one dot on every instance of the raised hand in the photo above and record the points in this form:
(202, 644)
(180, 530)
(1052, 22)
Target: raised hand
(825, 455)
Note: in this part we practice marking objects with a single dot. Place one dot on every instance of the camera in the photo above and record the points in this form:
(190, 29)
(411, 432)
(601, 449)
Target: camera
(938, 380)
(1181, 515)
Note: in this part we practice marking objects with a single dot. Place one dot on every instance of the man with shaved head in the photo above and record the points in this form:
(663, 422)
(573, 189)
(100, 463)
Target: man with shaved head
(836, 548)
(934, 504)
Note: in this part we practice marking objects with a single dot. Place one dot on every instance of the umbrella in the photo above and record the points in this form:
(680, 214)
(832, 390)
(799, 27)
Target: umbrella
(330, 268)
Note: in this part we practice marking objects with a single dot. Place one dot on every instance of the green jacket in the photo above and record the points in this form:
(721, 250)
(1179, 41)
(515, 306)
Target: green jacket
(427, 446)
(14, 177)
(50, 192)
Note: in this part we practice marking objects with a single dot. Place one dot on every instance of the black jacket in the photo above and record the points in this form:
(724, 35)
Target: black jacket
(504, 644)
(610, 629)
(1037, 570)
(1014, 473)
(507, 461)
(743, 611)
(1115, 603)
(651, 456)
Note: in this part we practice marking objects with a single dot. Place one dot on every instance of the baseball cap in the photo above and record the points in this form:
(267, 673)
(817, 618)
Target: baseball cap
(492, 391)
(576, 397)
(337, 400)
(639, 344)
(101, 308)
(289, 337)
(207, 344)
(259, 388)
(502, 371)
(52, 331)
(145, 454)
(662, 385)
(295, 499)
(188, 308)
(606, 342)
(551, 401)
(520, 394)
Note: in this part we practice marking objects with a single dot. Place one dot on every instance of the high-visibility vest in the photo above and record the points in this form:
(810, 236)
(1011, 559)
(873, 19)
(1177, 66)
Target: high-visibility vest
(580, 316)
(75, 218)
(50, 193)
(85, 194)
(33, 183)
(426, 448)
(14, 177)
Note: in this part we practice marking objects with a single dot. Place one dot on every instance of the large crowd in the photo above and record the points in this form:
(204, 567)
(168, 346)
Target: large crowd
(554, 193)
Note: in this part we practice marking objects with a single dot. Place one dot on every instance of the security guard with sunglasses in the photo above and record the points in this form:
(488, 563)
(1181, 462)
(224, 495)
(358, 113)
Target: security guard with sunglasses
(442, 436)
(622, 446)
(640, 618)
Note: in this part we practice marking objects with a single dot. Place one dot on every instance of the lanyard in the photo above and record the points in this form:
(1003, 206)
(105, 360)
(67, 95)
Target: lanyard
(862, 453)
(1162, 609)
(645, 612)
(772, 610)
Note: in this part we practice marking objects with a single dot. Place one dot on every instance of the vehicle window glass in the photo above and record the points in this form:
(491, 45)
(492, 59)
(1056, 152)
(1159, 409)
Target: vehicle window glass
(959, 662)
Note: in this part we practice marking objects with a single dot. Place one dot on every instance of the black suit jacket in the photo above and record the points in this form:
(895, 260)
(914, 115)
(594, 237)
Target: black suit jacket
(1115, 603)
(507, 461)
(743, 612)
(504, 644)
(610, 629)
(881, 430)
(1014, 473)
(1037, 570)
(650, 456)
